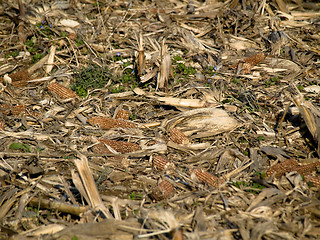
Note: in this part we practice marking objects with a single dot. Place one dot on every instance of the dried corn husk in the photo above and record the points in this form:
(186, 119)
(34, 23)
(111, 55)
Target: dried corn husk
(177, 102)
(202, 122)
(310, 114)
(52, 54)
(165, 68)
(89, 186)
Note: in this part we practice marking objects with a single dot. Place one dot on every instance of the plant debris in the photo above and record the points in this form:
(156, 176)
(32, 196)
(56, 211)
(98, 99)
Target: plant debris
(159, 119)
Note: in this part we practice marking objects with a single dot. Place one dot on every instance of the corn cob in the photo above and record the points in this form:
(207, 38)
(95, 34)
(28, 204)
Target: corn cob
(314, 180)
(20, 79)
(108, 123)
(122, 114)
(162, 191)
(177, 136)
(61, 91)
(308, 168)
(160, 163)
(119, 146)
(203, 176)
(18, 110)
(5, 109)
(281, 168)
(2, 124)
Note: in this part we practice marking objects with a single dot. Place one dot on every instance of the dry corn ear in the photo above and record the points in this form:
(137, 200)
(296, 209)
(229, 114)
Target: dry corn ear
(5, 109)
(307, 169)
(281, 168)
(119, 146)
(107, 123)
(123, 114)
(2, 124)
(162, 191)
(203, 176)
(160, 163)
(20, 79)
(18, 110)
(313, 180)
(177, 136)
(247, 63)
(246, 68)
(61, 91)
(255, 59)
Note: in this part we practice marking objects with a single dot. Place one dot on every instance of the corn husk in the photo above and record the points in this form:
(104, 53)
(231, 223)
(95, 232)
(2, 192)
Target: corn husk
(165, 68)
(202, 122)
